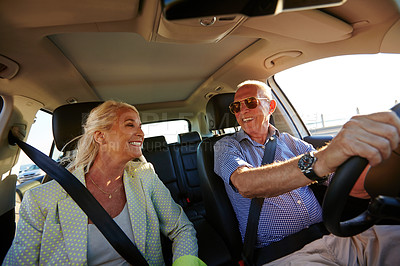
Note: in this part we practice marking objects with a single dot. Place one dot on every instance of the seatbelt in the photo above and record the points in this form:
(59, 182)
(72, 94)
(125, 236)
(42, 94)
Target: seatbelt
(289, 244)
(85, 200)
(250, 237)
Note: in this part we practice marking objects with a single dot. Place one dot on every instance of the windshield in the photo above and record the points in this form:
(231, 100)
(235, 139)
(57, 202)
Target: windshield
(328, 92)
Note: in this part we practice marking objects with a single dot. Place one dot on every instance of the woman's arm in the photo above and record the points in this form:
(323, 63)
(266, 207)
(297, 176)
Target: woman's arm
(26, 245)
(174, 222)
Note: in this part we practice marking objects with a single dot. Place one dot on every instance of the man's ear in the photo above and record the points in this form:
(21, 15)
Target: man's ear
(99, 137)
(272, 106)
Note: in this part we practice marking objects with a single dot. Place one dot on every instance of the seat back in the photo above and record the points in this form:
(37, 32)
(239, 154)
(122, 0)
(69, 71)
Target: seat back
(185, 156)
(176, 166)
(67, 123)
(156, 151)
(219, 211)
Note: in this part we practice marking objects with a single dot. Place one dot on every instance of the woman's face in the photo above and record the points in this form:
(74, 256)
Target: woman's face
(125, 137)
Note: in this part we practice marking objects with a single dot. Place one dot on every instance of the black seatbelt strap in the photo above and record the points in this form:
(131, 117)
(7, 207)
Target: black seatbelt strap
(250, 237)
(85, 200)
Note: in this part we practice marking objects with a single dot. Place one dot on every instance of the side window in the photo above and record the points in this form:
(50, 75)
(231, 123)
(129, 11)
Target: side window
(328, 92)
(169, 129)
(41, 137)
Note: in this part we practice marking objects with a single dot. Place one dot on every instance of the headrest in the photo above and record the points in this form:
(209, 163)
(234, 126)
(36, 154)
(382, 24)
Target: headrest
(155, 143)
(218, 114)
(67, 122)
(189, 137)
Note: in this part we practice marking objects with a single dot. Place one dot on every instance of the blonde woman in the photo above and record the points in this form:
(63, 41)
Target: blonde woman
(52, 228)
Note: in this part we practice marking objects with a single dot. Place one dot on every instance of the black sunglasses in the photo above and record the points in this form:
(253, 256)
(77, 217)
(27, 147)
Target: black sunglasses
(250, 102)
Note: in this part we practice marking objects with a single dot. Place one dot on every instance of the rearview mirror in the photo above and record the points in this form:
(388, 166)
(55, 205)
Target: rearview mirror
(185, 9)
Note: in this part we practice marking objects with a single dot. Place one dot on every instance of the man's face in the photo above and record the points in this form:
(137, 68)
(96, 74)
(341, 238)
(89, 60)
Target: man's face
(254, 122)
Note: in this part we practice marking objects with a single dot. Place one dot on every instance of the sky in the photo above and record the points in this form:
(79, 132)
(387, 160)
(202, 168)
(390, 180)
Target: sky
(339, 86)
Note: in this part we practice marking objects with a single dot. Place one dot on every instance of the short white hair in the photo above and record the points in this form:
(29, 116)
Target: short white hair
(262, 85)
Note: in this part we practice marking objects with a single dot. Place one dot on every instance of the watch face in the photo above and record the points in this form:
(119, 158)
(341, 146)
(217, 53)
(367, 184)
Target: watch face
(306, 161)
(305, 165)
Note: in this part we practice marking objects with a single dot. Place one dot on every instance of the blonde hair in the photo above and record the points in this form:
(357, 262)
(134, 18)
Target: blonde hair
(101, 118)
(263, 87)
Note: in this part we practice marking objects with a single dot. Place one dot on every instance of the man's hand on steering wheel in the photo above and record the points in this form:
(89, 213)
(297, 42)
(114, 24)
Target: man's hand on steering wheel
(364, 139)
(372, 137)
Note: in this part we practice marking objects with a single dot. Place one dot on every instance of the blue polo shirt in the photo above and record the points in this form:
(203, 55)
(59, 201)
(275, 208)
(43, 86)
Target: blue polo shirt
(282, 215)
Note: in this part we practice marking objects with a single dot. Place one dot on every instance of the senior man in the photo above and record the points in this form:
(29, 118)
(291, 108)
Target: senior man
(290, 205)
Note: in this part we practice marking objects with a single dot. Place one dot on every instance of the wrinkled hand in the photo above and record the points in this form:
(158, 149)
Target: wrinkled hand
(371, 136)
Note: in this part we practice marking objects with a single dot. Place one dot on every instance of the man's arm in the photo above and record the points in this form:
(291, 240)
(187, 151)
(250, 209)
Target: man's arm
(269, 180)
(371, 136)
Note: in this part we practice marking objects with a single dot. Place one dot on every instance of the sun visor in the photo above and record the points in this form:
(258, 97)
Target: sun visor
(391, 41)
(309, 25)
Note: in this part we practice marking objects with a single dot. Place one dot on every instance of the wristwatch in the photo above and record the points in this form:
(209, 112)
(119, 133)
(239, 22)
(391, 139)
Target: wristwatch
(306, 165)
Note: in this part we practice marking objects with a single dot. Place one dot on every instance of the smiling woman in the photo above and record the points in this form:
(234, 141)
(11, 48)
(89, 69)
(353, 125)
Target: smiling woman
(130, 192)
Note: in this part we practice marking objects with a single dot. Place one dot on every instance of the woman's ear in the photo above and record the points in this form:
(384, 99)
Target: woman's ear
(99, 137)
(272, 106)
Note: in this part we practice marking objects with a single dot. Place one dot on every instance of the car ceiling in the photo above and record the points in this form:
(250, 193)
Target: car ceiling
(126, 62)
(89, 50)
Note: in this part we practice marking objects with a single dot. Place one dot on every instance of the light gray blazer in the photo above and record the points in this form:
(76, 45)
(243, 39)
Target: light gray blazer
(52, 229)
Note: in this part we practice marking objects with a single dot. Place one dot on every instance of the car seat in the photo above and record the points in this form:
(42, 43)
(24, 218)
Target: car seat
(219, 211)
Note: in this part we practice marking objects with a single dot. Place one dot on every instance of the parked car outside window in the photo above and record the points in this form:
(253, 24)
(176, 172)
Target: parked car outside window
(32, 172)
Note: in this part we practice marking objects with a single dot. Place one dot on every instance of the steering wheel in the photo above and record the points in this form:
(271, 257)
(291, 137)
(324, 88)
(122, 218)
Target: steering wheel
(338, 190)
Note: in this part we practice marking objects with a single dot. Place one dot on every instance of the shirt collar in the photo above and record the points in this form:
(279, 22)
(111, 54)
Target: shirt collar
(242, 135)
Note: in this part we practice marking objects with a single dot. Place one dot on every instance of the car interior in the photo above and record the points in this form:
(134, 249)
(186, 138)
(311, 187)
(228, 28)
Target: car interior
(177, 60)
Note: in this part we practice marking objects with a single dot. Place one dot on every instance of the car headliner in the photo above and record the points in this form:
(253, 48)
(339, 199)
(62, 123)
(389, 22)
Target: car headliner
(90, 50)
